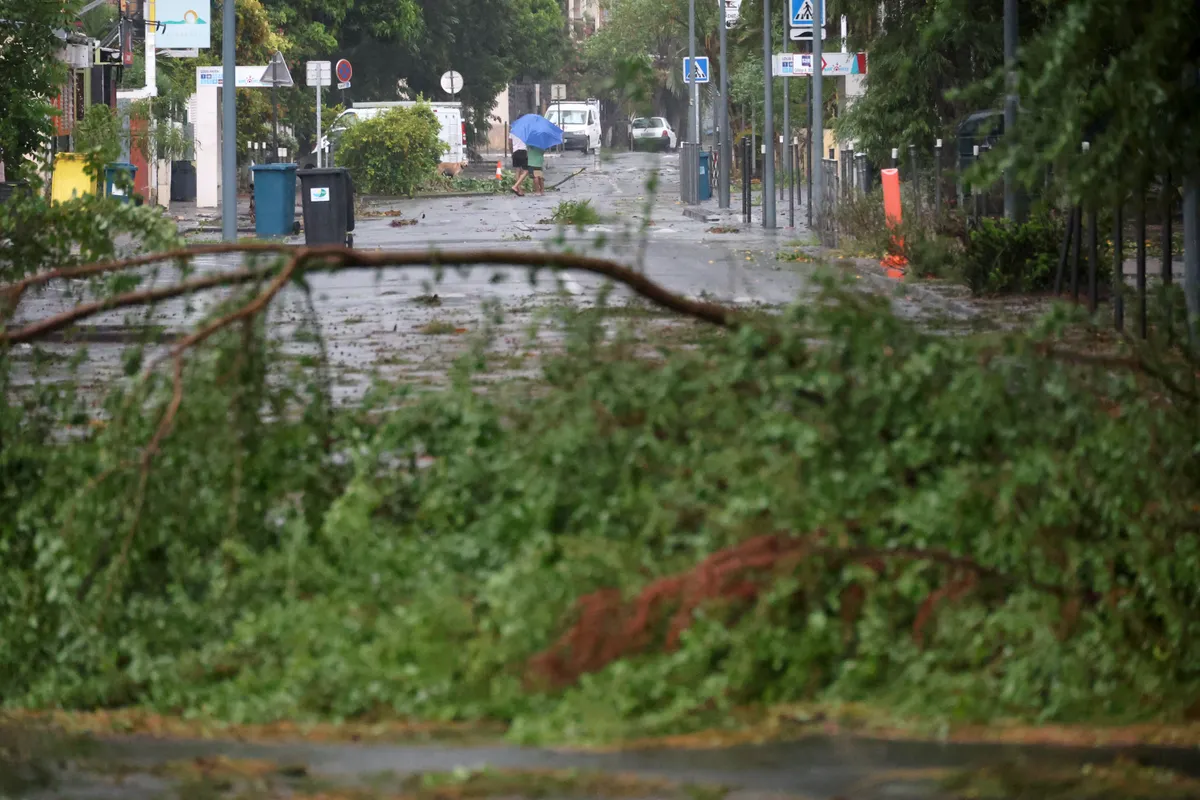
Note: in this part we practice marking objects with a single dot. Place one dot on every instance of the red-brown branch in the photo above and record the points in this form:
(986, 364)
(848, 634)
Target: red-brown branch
(607, 628)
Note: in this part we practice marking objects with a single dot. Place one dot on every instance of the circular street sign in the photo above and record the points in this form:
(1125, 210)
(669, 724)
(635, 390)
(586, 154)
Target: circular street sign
(452, 82)
(344, 71)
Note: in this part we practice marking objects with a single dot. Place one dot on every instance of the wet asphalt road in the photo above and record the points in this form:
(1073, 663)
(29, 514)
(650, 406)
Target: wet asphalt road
(375, 322)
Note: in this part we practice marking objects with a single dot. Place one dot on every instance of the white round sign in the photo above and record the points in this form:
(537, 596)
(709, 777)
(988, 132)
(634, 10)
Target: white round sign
(452, 83)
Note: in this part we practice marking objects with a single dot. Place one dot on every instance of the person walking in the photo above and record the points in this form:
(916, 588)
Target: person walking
(537, 162)
(520, 160)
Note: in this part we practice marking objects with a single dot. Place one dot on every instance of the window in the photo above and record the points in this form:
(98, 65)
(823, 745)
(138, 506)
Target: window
(567, 116)
(659, 122)
(641, 124)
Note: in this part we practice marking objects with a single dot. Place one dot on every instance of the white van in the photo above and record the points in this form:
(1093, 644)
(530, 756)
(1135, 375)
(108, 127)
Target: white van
(580, 122)
(453, 131)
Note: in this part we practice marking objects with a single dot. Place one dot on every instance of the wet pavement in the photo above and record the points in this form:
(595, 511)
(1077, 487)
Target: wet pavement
(818, 767)
(387, 323)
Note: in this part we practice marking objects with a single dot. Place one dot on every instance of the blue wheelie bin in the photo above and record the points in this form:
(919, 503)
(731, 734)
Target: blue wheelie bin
(274, 199)
(705, 177)
(118, 180)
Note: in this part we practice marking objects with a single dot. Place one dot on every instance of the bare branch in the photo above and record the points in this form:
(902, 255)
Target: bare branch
(333, 259)
(37, 330)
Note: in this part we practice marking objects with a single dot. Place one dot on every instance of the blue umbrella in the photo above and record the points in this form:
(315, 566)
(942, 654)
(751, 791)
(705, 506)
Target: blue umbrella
(537, 131)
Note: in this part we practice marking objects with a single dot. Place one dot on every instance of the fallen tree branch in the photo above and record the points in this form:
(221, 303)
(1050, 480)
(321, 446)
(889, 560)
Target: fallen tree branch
(334, 259)
(37, 330)
(573, 175)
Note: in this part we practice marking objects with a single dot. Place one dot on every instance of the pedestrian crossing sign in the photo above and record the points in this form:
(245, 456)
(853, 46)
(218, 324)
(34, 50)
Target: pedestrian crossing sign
(700, 73)
(803, 13)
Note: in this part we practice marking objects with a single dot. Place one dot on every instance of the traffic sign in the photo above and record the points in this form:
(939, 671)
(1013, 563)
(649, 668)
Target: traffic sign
(805, 34)
(701, 72)
(276, 73)
(802, 14)
(452, 83)
(344, 71)
(344, 85)
(319, 73)
(733, 9)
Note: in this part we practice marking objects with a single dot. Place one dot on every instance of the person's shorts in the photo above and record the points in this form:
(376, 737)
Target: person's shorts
(536, 171)
(521, 159)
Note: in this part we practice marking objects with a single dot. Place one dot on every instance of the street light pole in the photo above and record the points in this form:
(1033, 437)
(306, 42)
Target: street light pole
(694, 87)
(229, 123)
(723, 114)
(1011, 33)
(768, 185)
(787, 117)
(818, 109)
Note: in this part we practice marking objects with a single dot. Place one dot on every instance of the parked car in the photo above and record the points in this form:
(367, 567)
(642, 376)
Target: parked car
(653, 132)
(580, 122)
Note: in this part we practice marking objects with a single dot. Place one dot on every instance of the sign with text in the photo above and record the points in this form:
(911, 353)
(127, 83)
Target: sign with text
(733, 10)
(787, 65)
(246, 77)
(184, 24)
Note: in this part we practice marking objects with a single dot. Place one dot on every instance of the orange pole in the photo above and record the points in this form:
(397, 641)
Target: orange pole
(894, 262)
(891, 196)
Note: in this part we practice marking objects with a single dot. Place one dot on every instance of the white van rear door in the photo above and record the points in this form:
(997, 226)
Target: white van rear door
(451, 134)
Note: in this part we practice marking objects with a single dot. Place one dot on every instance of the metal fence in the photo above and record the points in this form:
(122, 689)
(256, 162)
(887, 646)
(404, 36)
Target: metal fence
(831, 196)
(1103, 258)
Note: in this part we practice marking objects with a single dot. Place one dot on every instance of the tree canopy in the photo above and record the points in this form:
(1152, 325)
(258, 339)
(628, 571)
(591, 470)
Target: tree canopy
(29, 76)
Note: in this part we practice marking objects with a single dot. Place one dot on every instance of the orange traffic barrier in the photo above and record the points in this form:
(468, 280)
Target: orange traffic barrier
(895, 263)
(499, 170)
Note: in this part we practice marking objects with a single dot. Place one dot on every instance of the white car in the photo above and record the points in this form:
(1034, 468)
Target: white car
(653, 132)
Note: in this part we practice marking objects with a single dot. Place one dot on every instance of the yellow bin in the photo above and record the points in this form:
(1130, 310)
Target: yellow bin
(70, 178)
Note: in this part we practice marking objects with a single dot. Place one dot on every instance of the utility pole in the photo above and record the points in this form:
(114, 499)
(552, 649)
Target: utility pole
(723, 114)
(229, 123)
(768, 185)
(1011, 34)
(818, 108)
(694, 87)
(787, 116)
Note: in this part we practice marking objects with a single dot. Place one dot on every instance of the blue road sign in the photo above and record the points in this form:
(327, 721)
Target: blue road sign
(701, 69)
(803, 13)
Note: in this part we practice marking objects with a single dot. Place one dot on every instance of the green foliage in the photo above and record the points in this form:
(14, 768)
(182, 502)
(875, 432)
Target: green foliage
(394, 153)
(29, 77)
(1002, 256)
(98, 138)
(454, 185)
(491, 44)
(933, 256)
(278, 557)
(1100, 72)
(575, 212)
(39, 235)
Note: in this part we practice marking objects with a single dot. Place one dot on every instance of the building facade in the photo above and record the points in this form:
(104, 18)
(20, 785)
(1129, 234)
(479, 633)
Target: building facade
(584, 16)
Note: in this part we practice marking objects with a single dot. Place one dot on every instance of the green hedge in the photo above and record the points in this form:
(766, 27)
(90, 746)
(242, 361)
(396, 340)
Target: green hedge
(1003, 257)
(394, 153)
